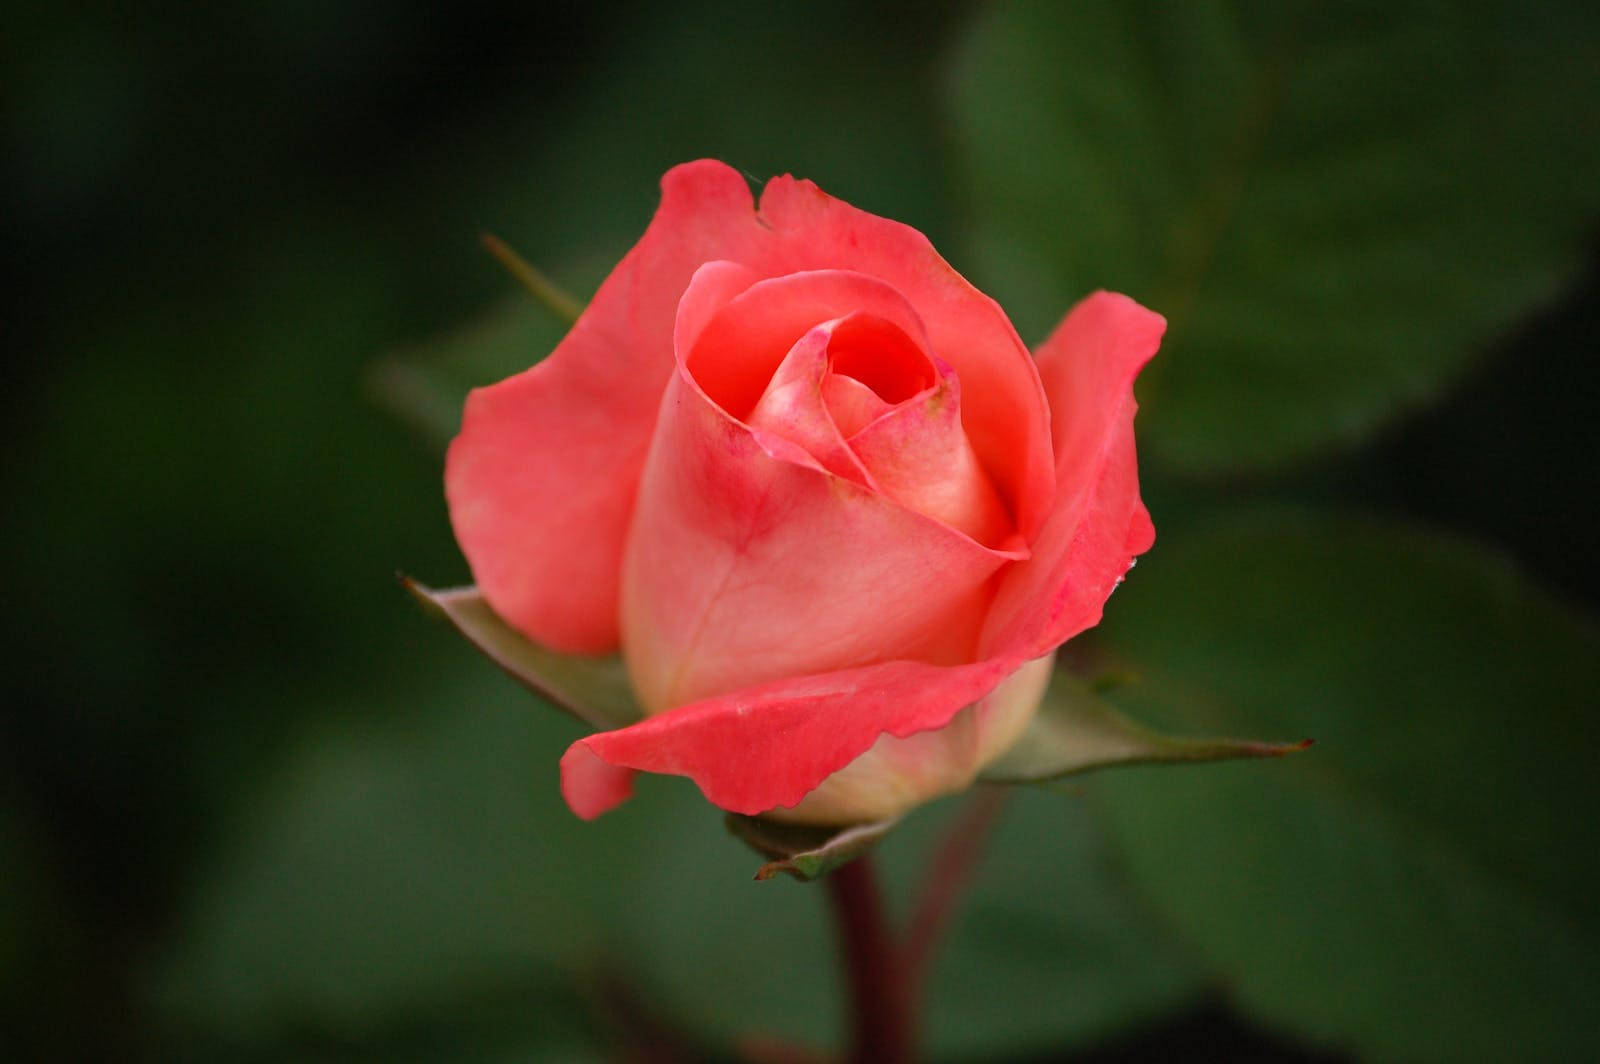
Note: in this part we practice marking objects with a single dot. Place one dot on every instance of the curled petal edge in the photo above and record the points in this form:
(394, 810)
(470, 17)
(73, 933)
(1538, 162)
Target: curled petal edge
(1099, 524)
(770, 745)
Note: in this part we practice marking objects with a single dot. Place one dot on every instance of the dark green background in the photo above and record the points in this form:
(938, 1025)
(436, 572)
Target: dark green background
(254, 805)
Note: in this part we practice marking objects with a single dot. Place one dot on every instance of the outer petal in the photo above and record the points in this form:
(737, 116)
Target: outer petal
(541, 479)
(896, 774)
(1004, 409)
(770, 745)
(744, 566)
(1098, 524)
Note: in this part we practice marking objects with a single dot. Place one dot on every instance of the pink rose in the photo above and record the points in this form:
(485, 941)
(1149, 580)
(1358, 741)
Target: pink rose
(814, 486)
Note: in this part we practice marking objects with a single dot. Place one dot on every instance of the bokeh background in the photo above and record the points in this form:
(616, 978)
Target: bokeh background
(254, 805)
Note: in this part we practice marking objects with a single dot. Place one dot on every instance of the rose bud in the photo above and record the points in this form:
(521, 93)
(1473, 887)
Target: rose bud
(816, 489)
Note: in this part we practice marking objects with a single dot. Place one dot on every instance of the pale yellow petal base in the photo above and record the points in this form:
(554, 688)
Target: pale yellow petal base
(897, 774)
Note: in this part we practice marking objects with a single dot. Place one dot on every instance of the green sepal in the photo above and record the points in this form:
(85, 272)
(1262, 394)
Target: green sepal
(593, 689)
(804, 851)
(1077, 731)
(550, 295)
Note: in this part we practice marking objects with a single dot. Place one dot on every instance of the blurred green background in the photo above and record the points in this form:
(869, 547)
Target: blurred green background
(255, 806)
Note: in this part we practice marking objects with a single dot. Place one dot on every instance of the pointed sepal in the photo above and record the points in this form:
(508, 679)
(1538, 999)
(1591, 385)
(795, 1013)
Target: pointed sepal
(593, 689)
(1077, 731)
(805, 851)
(549, 294)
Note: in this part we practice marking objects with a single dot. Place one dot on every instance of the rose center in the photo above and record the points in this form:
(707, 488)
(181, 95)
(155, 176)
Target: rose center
(880, 356)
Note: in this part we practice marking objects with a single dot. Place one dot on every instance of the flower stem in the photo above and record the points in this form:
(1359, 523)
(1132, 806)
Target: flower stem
(879, 991)
(886, 975)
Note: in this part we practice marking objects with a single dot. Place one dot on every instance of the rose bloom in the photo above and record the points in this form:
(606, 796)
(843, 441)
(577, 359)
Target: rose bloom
(813, 485)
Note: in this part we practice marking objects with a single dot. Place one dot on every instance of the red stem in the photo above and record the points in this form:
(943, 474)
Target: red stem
(879, 990)
(886, 978)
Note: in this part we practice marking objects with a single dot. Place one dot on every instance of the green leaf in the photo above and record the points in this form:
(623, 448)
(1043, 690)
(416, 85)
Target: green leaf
(1336, 206)
(802, 851)
(1422, 887)
(593, 689)
(391, 868)
(395, 866)
(1077, 731)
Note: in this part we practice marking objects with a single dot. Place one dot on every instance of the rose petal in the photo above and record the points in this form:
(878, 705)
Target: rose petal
(769, 746)
(852, 405)
(734, 355)
(1005, 412)
(897, 773)
(1099, 524)
(793, 406)
(878, 353)
(711, 288)
(919, 455)
(743, 567)
(592, 785)
(541, 479)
